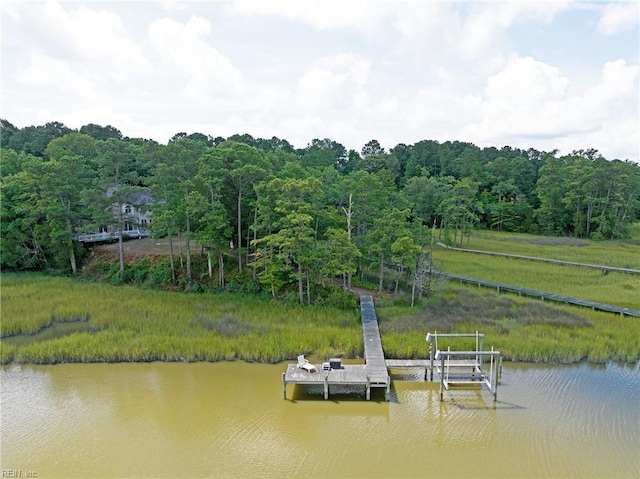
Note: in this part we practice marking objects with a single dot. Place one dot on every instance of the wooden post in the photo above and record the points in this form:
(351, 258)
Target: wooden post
(441, 376)
(495, 386)
(326, 386)
(284, 385)
(387, 395)
(368, 388)
(431, 354)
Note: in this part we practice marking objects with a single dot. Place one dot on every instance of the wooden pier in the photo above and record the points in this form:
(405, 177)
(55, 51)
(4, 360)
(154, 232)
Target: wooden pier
(373, 353)
(454, 368)
(351, 375)
(372, 374)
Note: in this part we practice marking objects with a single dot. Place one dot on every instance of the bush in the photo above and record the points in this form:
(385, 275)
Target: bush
(335, 296)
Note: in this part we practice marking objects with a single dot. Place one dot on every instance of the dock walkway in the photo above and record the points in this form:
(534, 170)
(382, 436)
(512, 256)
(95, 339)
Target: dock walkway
(373, 353)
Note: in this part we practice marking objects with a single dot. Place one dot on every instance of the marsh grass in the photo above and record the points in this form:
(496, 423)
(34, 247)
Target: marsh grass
(618, 253)
(227, 326)
(521, 329)
(133, 324)
(614, 288)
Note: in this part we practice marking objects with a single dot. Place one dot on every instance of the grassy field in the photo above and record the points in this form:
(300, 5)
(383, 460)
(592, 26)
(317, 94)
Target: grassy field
(614, 288)
(131, 324)
(619, 253)
(126, 323)
(521, 329)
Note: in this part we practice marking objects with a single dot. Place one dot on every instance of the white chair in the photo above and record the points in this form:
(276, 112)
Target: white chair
(306, 365)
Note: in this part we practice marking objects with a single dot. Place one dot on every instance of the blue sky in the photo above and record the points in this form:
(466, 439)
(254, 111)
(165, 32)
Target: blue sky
(548, 74)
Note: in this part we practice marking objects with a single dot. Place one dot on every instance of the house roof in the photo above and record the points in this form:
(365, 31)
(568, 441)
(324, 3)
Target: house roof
(140, 198)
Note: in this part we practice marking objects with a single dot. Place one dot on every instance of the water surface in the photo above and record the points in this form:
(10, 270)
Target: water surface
(230, 420)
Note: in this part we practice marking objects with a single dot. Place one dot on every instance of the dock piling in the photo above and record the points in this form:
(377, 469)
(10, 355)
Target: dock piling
(284, 385)
(326, 387)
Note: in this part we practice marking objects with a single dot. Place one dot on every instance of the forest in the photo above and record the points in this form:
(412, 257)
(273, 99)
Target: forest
(294, 221)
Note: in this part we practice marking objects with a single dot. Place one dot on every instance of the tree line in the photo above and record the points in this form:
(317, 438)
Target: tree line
(292, 219)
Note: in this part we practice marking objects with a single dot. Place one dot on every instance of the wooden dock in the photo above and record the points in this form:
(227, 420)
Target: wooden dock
(373, 353)
(453, 367)
(372, 374)
(407, 363)
(351, 375)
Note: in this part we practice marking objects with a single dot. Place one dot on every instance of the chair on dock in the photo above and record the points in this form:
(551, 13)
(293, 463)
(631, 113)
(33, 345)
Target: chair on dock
(305, 364)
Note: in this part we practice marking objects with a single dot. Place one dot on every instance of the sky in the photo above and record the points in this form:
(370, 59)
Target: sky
(549, 75)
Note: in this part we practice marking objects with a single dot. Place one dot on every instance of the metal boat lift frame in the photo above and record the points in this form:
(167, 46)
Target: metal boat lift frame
(451, 360)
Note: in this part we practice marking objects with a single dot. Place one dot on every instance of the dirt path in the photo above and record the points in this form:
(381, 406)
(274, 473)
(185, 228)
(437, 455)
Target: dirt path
(136, 248)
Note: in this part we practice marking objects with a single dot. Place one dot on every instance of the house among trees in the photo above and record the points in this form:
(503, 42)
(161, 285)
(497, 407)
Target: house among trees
(132, 210)
(135, 212)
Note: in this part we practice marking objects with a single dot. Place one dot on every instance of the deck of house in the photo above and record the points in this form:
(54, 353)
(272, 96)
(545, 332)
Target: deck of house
(110, 236)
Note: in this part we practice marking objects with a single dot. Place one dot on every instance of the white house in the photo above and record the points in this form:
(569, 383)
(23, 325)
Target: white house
(136, 215)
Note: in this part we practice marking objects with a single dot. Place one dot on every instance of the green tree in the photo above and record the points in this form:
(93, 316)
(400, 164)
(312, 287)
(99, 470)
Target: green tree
(338, 256)
(405, 252)
(43, 202)
(386, 229)
(424, 194)
(101, 132)
(460, 208)
(178, 169)
(214, 230)
(24, 238)
(289, 248)
(64, 187)
(118, 178)
(7, 130)
(71, 144)
(245, 166)
(34, 139)
(321, 153)
(552, 213)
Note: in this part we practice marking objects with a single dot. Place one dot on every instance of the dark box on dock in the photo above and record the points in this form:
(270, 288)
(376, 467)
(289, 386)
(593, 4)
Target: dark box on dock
(336, 363)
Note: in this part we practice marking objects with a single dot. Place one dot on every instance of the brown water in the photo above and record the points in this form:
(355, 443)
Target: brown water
(230, 420)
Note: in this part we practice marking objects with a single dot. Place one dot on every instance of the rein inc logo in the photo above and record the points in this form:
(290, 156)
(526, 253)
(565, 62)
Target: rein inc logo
(18, 473)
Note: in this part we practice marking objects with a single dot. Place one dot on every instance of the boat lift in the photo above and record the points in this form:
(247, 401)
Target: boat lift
(464, 367)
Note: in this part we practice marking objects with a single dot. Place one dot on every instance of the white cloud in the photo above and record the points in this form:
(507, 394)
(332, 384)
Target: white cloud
(203, 71)
(531, 103)
(92, 39)
(524, 99)
(619, 16)
(11, 8)
(334, 82)
(619, 82)
(320, 14)
(350, 70)
(485, 26)
(55, 75)
(528, 79)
